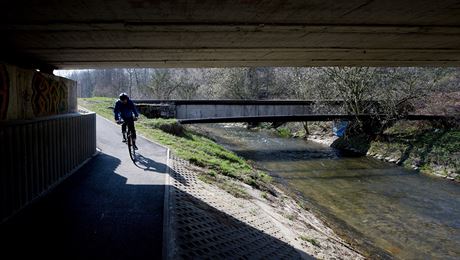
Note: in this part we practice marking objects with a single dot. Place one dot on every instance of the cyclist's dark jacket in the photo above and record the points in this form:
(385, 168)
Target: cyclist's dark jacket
(126, 111)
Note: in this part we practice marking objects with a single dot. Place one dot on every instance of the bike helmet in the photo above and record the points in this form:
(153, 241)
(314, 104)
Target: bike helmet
(123, 96)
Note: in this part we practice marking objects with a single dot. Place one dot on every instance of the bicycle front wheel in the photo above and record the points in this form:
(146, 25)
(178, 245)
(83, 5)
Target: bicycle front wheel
(132, 152)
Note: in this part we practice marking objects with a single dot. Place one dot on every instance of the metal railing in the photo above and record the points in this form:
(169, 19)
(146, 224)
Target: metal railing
(38, 154)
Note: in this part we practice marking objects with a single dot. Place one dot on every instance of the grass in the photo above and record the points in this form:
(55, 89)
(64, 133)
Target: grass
(101, 105)
(291, 217)
(284, 132)
(224, 183)
(430, 146)
(310, 240)
(265, 195)
(415, 143)
(170, 126)
(188, 145)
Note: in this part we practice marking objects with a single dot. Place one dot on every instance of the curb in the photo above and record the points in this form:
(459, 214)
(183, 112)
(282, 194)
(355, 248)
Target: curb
(166, 254)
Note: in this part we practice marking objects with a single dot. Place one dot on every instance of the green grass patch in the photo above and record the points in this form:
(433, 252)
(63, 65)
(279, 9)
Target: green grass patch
(310, 240)
(429, 146)
(189, 145)
(265, 195)
(284, 132)
(101, 105)
(415, 143)
(170, 126)
(224, 183)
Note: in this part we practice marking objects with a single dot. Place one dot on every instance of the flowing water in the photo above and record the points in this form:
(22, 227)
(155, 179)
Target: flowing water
(386, 209)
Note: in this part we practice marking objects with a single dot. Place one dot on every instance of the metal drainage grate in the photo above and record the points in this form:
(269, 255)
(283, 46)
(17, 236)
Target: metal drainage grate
(209, 223)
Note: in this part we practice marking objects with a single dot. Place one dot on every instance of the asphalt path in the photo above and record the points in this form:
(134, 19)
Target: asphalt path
(110, 208)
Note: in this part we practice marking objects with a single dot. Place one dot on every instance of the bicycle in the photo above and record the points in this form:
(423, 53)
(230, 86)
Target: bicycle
(129, 141)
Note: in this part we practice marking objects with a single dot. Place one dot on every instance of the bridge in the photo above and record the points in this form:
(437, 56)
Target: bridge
(220, 111)
(146, 33)
(45, 140)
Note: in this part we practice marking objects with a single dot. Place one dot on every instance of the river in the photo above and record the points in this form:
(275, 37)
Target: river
(388, 211)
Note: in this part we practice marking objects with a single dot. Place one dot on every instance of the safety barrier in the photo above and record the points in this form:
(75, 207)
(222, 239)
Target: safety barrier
(38, 154)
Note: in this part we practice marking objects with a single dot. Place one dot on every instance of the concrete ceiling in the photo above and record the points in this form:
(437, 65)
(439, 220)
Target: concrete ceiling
(217, 33)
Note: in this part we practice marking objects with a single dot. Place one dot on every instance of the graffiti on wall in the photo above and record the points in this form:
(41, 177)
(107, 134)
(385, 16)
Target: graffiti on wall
(49, 96)
(4, 91)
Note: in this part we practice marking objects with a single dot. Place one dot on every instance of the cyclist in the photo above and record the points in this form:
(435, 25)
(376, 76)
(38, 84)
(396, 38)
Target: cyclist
(126, 109)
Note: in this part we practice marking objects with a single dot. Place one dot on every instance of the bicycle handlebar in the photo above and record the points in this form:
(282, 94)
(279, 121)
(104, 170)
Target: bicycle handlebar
(120, 121)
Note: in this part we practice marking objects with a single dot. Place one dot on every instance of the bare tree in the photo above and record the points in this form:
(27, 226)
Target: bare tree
(161, 84)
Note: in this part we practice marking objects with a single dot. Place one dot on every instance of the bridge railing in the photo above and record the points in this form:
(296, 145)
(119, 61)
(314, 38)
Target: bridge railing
(36, 155)
(235, 102)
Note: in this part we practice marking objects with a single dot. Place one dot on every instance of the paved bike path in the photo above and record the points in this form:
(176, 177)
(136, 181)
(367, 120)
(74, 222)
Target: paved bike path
(110, 208)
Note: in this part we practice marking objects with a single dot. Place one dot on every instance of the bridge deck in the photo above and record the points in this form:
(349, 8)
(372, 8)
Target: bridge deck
(298, 118)
(219, 111)
(236, 102)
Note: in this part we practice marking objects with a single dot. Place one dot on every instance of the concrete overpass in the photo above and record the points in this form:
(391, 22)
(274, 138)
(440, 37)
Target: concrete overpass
(147, 33)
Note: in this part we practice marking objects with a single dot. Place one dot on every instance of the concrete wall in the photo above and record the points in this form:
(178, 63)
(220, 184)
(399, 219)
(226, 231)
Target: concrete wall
(28, 94)
(42, 137)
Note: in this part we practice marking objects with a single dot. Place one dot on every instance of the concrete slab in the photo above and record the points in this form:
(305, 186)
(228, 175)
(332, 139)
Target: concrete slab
(147, 33)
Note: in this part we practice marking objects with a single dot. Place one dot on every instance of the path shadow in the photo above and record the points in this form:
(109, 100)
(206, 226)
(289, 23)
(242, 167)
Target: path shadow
(353, 146)
(286, 154)
(148, 164)
(356, 175)
(92, 214)
(95, 214)
(202, 231)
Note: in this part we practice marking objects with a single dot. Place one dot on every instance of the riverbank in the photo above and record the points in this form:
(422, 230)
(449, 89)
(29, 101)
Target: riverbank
(228, 173)
(431, 149)
(251, 219)
(372, 204)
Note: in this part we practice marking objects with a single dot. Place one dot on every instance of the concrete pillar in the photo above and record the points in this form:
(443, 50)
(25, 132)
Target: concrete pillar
(42, 137)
